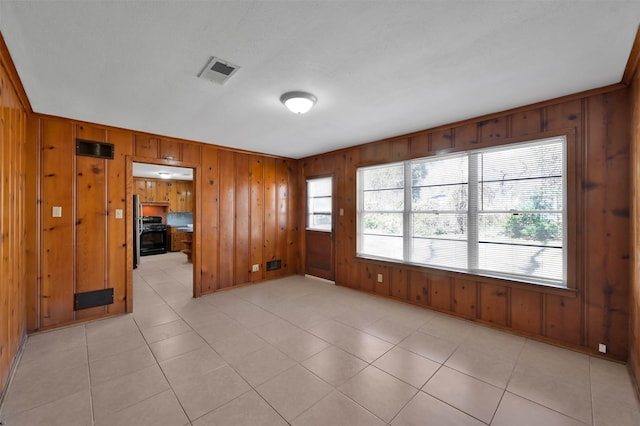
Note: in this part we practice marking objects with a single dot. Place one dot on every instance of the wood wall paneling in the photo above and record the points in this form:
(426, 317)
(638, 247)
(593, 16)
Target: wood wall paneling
(117, 227)
(256, 173)
(58, 236)
(595, 309)
(209, 227)
(242, 220)
(14, 201)
(440, 292)
(146, 146)
(398, 278)
(270, 214)
(526, 311)
(226, 231)
(465, 298)
(169, 150)
(191, 153)
(494, 304)
(91, 222)
(634, 290)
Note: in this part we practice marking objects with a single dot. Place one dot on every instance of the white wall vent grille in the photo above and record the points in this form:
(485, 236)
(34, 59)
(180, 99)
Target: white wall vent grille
(218, 70)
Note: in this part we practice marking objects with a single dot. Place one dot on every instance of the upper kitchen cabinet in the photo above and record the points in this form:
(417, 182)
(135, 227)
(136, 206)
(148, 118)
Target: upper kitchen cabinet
(166, 149)
(181, 196)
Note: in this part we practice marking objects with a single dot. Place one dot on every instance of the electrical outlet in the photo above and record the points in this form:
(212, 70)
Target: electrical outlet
(56, 211)
(379, 278)
(118, 213)
(602, 348)
(255, 268)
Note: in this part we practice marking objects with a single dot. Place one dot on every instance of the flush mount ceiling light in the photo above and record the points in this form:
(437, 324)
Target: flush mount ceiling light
(164, 175)
(298, 102)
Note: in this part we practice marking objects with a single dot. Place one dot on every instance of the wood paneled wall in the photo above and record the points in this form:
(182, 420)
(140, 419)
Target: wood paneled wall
(14, 110)
(596, 310)
(634, 291)
(245, 213)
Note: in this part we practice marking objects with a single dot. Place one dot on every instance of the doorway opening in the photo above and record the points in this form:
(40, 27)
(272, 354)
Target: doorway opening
(163, 199)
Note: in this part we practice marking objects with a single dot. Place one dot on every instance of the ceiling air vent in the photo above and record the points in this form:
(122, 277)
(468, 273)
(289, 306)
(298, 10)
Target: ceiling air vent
(218, 70)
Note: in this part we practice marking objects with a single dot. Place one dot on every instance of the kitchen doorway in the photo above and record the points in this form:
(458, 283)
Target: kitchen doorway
(163, 229)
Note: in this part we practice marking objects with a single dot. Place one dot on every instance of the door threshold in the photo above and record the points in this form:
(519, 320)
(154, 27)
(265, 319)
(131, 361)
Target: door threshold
(320, 279)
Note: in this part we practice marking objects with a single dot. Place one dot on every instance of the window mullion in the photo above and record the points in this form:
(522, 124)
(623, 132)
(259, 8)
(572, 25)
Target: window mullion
(407, 222)
(472, 212)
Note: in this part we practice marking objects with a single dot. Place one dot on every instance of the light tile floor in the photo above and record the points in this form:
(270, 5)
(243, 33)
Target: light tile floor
(301, 351)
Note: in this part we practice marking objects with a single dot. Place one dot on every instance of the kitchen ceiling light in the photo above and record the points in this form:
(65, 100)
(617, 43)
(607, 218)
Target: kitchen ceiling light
(298, 102)
(164, 175)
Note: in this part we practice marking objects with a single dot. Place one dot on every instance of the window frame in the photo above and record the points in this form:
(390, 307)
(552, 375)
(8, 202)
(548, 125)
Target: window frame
(569, 207)
(308, 226)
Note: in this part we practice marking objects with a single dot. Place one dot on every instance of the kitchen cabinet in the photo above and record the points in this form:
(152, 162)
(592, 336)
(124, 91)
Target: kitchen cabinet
(182, 197)
(177, 194)
(177, 239)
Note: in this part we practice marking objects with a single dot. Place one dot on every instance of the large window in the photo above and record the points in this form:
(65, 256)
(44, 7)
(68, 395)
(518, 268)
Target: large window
(495, 212)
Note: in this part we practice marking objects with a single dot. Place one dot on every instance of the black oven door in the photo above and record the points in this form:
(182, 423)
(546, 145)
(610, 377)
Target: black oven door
(153, 242)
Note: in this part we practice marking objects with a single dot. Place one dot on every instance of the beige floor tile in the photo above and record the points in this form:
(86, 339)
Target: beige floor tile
(389, 330)
(334, 365)
(449, 328)
(552, 391)
(514, 410)
(428, 346)
(407, 366)
(424, 409)
(177, 345)
(59, 358)
(611, 380)
(220, 329)
(122, 392)
(45, 343)
(302, 346)
(337, 410)
(192, 364)
(236, 347)
(110, 328)
(612, 412)
(124, 363)
(334, 332)
(378, 392)
(248, 409)
(565, 365)
(164, 331)
(488, 368)
(33, 387)
(203, 394)
(476, 398)
(127, 341)
(160, 409)
(260, 366)
(365, 346)
(495, 343)
(276, 331)
(159, 315)
(293, 391)
(72, 410)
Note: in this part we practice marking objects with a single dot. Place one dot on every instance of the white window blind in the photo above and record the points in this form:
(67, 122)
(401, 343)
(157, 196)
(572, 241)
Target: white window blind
(496, 212)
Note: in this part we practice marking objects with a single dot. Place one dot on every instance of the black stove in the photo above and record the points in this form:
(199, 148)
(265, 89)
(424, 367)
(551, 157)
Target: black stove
(153, 223)
(153, 238)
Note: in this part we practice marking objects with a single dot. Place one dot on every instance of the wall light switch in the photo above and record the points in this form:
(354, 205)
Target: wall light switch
(379, 278)
(118, 213)
(56, 211)
(341, 212)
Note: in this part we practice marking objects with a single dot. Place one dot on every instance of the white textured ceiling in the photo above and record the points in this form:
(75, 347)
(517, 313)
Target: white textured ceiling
(378, 68)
